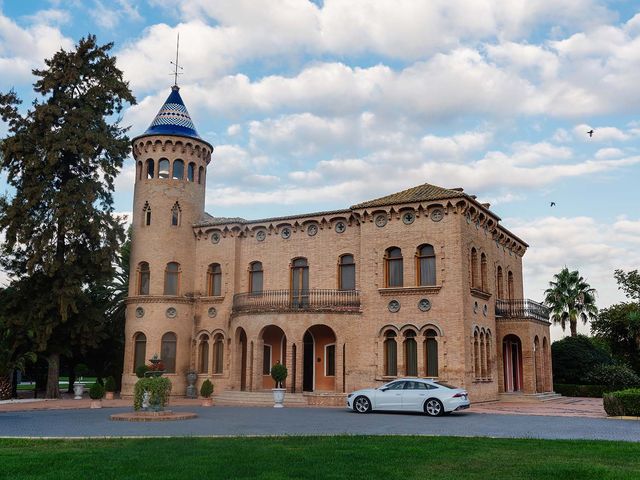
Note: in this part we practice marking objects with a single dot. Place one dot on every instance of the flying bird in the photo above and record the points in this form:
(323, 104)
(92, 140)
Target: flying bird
(590, 132)
(553, 204)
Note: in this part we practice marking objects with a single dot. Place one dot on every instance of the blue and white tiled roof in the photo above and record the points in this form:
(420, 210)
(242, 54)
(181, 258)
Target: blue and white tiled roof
(173, 118)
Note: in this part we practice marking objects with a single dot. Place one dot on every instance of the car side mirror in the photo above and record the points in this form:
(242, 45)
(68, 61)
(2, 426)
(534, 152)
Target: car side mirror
(383, 389)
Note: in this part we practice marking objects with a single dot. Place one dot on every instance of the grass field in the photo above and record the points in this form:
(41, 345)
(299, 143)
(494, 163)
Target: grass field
(354, 457)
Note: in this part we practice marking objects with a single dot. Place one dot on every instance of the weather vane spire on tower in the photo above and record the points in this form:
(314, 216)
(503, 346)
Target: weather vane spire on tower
(176, 64)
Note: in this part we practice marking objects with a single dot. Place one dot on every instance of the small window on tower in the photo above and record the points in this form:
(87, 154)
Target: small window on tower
(175, 215)
(146, 214)
(191, 171)
(163, 168)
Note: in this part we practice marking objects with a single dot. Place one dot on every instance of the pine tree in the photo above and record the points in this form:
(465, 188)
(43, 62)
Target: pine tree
(61, 158)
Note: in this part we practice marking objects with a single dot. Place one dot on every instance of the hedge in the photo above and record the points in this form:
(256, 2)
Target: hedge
(623, 402)
(572, 390)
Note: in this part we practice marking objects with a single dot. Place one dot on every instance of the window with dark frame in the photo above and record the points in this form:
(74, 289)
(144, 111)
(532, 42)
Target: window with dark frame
(393, 267)
(330, 360)
(347, 273)
(426, 263)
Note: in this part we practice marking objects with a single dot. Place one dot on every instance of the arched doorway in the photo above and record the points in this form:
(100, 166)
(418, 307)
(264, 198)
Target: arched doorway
(319, 359)
(241, 356)
(546, 361)
(274, 350)
(538, 365)
(512, 363)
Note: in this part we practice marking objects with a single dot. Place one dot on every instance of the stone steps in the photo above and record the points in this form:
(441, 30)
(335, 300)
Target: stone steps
(256, 399)
(529, 397)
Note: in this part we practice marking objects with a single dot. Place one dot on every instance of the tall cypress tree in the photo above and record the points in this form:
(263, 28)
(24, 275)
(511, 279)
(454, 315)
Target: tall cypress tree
(61, 158)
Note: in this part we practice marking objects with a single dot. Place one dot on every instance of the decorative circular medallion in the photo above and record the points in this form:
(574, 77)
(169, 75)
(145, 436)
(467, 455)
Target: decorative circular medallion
(261, 235)
(171, 312)
(340, 227)
(212, 312)
(437, 215)
(381, 220)
(485, 310)
(394, 306)
(408, 218)
(424, 305)
(285, 232)
(312, 229)
(215, 237)
(139, 312)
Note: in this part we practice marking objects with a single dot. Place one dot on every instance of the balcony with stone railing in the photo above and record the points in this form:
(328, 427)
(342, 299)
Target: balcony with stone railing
(304, 301)
(521, 309)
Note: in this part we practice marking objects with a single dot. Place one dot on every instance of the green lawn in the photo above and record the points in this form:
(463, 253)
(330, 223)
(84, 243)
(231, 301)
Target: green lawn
(319, 457)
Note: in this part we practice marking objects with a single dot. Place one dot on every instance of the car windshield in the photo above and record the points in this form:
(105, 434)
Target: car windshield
(445, 385)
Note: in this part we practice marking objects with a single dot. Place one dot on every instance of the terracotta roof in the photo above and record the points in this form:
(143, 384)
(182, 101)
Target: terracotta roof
(421, 193)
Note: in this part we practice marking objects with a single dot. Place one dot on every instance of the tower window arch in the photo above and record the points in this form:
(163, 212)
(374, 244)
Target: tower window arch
(510, 287)
(393, 267)
(426, 265)
(474, 268)
(431, 352)
(139, 350)
(214, 280)
(144, 277)
(168, 352)
(200, 175)
(347, 272)
(163, 168)
(484, 283)
(178, 169)
(203, 354)
(146, 214)
(139, 170)
(410, 353)
(191, 168)
(500, 283)
(172, 278)
(150, 169)
(390, 354)
(218, 353)
(176, 213)
(255, 277)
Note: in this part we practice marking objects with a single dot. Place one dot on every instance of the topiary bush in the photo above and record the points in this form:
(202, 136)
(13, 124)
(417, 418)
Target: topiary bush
(206, 389)
(623, 402)
(110, 384)
(158, 387)
(279, 374)
(96, 392)
(141, 370)
(575, 357)
(616, 377)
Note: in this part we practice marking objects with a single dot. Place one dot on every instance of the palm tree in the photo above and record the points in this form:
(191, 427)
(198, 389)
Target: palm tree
(569, 297)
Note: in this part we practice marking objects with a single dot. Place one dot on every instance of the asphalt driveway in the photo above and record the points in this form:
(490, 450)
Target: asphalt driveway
(256, 421)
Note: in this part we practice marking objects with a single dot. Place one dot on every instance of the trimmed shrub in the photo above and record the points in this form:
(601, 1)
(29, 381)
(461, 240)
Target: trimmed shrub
(570, 390)
(574, 357)
(206, 389)
(623, 402)
(158, 387)
(110, 384)
(96, 392)
(617, 377)
(279, 374)
(141, 370)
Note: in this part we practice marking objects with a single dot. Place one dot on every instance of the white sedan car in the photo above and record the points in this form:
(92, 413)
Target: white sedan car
(411, 395)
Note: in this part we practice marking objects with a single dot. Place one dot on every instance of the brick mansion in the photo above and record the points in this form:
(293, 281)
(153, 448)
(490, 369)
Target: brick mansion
(425, 282)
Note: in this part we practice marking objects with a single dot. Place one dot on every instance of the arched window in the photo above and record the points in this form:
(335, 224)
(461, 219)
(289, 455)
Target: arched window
(483, 358)
(200, 175)
(500, 284)
(214, 280)
(163, 168)
(172, 278)
(178, 169)
(510, 285)
(255, 277)
(146, 214)
(218, 353)
(191, 168)
(168, 352)
(203, 354)
(150, 169)
(390, 354)
(175, 214)
(426, 265)
(487, 353)
(299, 283)
(483, 273)
(474, 268)
(139, 170)
(347, 273)
(410, 353)
(393, 267)
(476, 355)
(144, 276)
(139, 350)
(431, 352)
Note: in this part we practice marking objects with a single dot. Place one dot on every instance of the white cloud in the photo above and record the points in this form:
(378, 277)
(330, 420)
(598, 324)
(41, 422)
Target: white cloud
(601, 134)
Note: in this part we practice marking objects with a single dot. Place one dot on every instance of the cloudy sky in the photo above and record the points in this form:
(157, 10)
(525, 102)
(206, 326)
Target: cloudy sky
(316, 105)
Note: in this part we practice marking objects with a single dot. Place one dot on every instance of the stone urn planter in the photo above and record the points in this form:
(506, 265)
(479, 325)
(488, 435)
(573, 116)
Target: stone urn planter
(279, 374)
(191, 387)
(278, 397)
(78, 390)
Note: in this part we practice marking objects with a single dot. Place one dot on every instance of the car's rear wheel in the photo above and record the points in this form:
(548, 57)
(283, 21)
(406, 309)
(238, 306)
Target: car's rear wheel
(433, 407)
(362, 405)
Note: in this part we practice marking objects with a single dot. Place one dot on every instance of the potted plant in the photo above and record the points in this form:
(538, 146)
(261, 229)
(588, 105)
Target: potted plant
(96, 392)
(206, 390)
(109, 387)
(279, 374)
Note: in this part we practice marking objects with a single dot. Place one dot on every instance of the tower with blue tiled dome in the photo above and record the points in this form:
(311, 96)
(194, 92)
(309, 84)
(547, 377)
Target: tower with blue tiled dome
(171, 166)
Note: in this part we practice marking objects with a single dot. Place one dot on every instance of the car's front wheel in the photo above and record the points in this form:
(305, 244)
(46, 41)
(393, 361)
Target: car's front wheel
(433, 407)
(362, 405)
